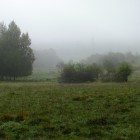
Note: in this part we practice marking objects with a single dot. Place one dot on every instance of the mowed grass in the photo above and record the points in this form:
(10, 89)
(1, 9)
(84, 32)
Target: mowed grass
(96, 111)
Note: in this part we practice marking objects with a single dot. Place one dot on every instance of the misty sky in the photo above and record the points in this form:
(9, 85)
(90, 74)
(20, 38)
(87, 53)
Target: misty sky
(95, 22)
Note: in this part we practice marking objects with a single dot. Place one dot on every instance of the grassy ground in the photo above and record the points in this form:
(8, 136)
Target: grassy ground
(41, 75)
(69, 112)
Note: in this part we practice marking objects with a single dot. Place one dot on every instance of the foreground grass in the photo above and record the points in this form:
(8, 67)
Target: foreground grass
(69, 112)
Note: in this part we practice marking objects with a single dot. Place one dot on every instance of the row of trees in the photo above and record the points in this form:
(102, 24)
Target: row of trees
(114, 58)
(16, 57)
(77, 73)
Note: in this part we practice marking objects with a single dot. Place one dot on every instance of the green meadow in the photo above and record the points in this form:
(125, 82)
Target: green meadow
(52, 111)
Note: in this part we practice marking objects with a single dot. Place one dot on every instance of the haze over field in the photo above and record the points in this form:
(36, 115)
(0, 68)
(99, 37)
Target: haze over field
(77, 28)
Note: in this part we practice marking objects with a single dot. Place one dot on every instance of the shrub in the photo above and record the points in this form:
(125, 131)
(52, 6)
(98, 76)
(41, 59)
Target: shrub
(118, 74)
(122, 72)
(77, 73)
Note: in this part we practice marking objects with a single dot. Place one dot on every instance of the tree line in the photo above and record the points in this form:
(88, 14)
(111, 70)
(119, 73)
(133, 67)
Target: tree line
(114, 58)
(79, 72)
(16, 57)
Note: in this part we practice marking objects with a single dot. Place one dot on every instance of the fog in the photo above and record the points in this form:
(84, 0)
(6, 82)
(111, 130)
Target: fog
(77, 28)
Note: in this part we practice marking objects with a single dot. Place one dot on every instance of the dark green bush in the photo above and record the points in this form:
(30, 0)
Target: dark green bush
(122, 72)
(118, 74)
(78, 73)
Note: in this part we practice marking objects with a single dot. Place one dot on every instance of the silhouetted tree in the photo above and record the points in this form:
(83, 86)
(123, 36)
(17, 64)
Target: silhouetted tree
(16, 57)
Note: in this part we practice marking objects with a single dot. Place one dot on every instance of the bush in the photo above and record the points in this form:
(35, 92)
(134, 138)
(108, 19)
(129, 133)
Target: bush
(107, 77)
(118, 74)
(77, 73)
(122, 73)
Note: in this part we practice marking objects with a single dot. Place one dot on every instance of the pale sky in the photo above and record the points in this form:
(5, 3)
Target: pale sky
(88, 21)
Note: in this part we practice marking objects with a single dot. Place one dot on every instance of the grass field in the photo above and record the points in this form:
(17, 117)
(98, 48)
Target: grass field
(41, 75)
(43, 111)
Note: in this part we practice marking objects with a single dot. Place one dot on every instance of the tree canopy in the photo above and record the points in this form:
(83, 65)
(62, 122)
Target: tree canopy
(16, 57)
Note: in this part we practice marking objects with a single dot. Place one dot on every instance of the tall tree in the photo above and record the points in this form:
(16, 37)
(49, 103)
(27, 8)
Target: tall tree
(16, 57)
